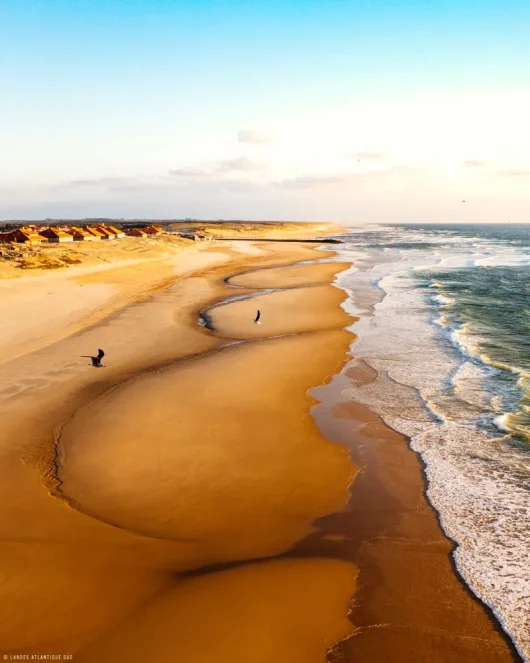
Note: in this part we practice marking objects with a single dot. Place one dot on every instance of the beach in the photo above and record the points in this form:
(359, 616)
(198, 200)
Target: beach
(210, 494)
(95, 529)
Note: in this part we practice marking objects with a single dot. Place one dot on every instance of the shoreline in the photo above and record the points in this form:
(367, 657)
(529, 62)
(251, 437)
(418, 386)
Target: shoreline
(421, 388)
(384, 536)
(329, 519)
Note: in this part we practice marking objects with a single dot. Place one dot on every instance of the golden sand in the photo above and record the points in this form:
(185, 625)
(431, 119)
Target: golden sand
(286, 611)
(250, 472)
(290, 276)
(38, 310)
(182, 458)
(289, 311)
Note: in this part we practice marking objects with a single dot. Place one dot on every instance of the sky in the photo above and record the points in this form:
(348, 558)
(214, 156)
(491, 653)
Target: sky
(353, 111)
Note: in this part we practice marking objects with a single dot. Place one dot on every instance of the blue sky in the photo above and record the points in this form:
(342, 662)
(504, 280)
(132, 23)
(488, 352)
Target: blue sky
(361, 111)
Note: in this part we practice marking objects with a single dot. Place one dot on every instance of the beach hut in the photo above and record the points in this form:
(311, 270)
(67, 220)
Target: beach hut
(108, 231)
(96, 233)
(116, 232)
(27, 236)
(105, 233)
(56, 235)
(6, 236)
(81, 234)
(152, 230)
(136, 232)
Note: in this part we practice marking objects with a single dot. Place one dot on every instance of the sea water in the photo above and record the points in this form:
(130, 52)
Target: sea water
(445, 322)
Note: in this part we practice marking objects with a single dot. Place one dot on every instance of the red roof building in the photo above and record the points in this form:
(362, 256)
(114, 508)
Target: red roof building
(152, 230)
(56, 235)
(81, 234)
(26, 236)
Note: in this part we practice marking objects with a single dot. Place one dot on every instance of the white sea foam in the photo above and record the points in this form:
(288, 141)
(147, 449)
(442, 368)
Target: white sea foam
(443, 300)
(442, 321)
(501, 421)
(437, 392)
(478, 488)
(496, 403)
(503, 260)
(470, 386)
(465, 341)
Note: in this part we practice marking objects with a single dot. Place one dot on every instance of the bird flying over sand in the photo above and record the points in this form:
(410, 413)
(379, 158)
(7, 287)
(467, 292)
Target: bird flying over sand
(258, 316)
(96, 361)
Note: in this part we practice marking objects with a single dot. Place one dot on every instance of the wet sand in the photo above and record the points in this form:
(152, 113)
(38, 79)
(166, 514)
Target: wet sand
(411, 605)
(179, 455)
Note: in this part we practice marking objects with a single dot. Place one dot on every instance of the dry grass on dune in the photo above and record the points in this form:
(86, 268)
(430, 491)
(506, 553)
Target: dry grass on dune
(57, 256)
(261, 229)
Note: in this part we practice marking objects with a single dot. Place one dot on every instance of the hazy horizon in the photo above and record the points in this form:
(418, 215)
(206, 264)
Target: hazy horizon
(356, 112)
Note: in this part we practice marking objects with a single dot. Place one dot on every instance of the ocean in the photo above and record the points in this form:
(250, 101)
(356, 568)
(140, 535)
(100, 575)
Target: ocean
(445, 322)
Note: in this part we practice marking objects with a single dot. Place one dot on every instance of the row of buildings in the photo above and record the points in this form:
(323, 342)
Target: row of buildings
(36, 234)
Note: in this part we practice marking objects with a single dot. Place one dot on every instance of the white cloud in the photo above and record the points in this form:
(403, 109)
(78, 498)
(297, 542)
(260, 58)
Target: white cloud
(471, 163)
(212, 168)
(191, 171)
(314, 181)
(513, 172)
(103, 181)
(367, 156)
(253, 136)
(239, 164)
(400, 175)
